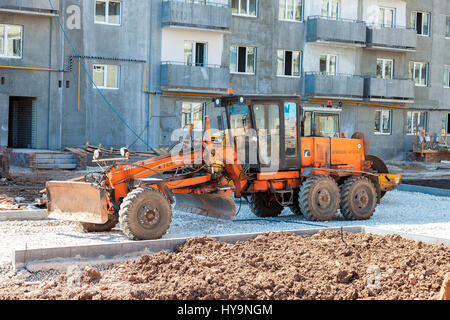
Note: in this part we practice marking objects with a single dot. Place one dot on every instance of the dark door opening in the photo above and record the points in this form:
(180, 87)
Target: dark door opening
(22, 122)
(448, 123)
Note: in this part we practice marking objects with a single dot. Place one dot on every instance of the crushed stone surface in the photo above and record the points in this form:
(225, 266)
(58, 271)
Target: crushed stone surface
(327, 265)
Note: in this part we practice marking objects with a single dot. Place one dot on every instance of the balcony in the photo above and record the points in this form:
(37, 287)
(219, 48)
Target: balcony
(36, 7)
(398, 90)
(392, 39)
(204, 79)
(338, 86)
(340, 31)
(186, 14)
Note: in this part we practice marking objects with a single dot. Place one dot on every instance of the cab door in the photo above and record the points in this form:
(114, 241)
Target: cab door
(290, 136)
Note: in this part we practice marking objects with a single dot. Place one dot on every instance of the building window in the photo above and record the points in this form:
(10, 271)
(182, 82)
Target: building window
(386, 17)
(447, 30)
(106, 76)
(447, 76)
(290, 10)
(242, 59)
(383, 122)
(330, 9)
(421, 22)
(244, 7)
(195, 53)
(289, 63)
(10, 41)
(418, 71)
(108, 12)
(385, 68)
(192, 113)
(328, 64)
(416, 121)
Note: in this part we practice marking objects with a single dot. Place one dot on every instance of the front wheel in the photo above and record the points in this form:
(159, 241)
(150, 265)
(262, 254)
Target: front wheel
(145, 214)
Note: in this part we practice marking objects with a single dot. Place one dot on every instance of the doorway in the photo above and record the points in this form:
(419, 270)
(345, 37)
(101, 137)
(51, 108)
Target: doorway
(22, 122)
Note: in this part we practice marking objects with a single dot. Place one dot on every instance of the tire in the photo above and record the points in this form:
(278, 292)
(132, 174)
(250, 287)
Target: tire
(264, 206)
(319, 198)
(295, 206)
(358, 198)
(379, 166)
(93, 227)
(145, 214)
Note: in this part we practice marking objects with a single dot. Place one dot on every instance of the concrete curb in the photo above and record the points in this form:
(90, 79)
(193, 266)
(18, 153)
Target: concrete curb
(426, 190)
(11, 215)
(62, 257)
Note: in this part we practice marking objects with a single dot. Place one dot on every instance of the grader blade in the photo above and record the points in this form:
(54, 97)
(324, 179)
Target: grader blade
(212, 205)
(76, 201)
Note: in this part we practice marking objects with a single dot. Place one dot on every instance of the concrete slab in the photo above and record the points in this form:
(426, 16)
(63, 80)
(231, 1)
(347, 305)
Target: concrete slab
(62, 257)
(9, 215)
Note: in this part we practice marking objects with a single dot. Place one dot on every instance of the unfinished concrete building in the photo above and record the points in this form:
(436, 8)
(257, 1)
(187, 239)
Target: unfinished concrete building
(383, 65)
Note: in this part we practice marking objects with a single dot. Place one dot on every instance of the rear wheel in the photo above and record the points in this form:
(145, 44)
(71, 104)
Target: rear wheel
(378, 166)
(358, 198)
(264, 205)
(93, 227)
(145, 214)
(319, 198)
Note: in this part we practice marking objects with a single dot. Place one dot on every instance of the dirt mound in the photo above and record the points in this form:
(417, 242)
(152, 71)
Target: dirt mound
(271, 266)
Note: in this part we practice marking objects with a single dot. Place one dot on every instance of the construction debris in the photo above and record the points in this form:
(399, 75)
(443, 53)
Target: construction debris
(88, 148)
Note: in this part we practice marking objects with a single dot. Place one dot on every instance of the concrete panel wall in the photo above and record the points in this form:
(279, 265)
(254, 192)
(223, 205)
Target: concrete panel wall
(30, 5)
(348, 58)
(335, 31)
(39, 37)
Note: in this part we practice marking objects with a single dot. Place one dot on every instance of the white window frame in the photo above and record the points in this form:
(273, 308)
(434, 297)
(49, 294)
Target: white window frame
(383, 69)
(420, 72)
(192, 113)
(294, 12)
(415, 23)
(328, 64)
(394, 18)
(246, 60)
(107, 12)
(194, 53)
(4, 54)
(248, 7)
(381, 123)
(105, 76)
(419, 114)
(338, 14)
(292, 62)
(447, 73)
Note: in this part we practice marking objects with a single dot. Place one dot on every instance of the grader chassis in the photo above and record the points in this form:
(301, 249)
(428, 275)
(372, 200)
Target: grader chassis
(314, 176)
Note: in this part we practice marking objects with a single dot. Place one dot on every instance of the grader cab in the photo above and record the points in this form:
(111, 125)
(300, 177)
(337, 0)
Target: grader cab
(262, 156)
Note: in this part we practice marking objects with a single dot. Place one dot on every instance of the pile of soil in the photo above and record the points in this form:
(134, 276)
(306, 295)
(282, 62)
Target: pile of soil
(327, 265)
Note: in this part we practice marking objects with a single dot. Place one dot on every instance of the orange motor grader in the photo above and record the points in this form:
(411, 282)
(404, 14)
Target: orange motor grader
(260, 155)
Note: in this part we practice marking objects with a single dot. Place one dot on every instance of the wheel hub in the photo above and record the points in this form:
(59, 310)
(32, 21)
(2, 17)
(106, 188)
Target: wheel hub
(148, 216)
(362, 199)
(323, 198)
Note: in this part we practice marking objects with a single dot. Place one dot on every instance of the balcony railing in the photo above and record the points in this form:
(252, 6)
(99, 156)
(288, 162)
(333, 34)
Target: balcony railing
(388, 89)
(196, 14)
(344, 31)
(197, 78)
(42, 7)
(391, 38)
(333, 86)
